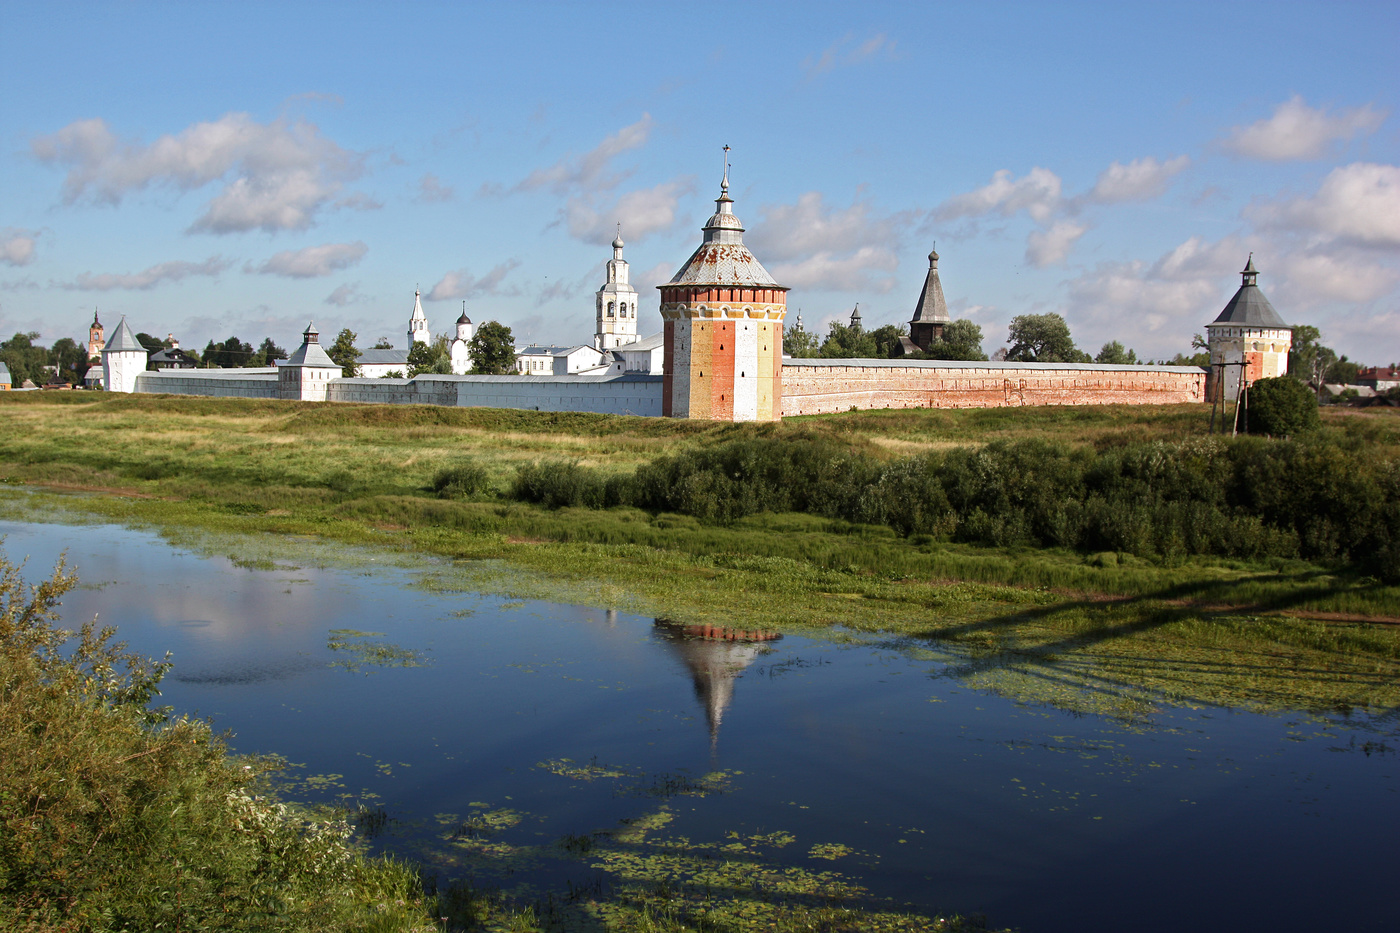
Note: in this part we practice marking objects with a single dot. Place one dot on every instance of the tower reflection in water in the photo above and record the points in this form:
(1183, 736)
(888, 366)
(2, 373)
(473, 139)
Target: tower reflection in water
(715, 656)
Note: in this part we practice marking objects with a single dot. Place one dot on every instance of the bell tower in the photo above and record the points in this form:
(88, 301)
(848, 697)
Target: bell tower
(723, 317)
(616, 304)
(95, 339)
(418, 323)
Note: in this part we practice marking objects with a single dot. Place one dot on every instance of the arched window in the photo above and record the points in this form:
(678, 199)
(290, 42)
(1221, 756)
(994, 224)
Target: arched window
(611, 305)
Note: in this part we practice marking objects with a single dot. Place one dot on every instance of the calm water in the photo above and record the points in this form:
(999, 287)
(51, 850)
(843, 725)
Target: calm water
(946, 798)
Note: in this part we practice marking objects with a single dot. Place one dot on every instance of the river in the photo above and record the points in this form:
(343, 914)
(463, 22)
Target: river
(524, 734)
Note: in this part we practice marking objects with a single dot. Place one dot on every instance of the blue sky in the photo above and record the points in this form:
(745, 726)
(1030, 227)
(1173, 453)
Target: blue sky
(240, 168)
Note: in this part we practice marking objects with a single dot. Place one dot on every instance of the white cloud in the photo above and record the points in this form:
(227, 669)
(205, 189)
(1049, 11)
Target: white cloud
(172, 271)
(346, 294)
(641, 213)
(1139, 180)
(313, 261)
(1037, 193)
(1313, 278)
(852, 272)
(588, 170)
(1358, 203)
(1297, 131)
(17, 246)
(1050, 247)
(1195, 259)
(647, 279)
(431, 190)
(810, 244)
(842, 54)
(462, 284)
(277, 175)
(1156, 306)
(790, 231)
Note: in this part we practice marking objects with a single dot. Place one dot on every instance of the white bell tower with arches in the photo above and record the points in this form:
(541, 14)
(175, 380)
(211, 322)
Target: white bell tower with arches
(615, 307)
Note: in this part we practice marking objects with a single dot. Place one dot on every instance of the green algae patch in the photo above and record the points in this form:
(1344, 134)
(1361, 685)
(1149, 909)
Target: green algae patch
(357, 653)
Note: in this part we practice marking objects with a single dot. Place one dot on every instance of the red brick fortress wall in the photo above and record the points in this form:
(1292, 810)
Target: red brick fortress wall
(818, 386)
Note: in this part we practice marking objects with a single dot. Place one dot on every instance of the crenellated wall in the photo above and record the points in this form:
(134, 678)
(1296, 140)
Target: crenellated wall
(819, 386)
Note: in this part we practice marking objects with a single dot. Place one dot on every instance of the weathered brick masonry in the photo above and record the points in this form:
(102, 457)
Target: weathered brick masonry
(818, 386)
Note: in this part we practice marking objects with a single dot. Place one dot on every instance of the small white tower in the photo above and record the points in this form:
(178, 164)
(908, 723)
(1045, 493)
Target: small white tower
(123, 359)
(461, 349)
(1247, 340)
(616, 306)
(418, 323)
(308, 372)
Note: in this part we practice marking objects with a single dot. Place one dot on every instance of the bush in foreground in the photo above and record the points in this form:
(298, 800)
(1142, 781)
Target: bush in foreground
(115, 817)
(1253, 498)
(1282, 407)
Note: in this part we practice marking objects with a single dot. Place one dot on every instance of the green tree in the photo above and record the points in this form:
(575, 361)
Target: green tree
(886, 339)
(844, 342)
(962, 340)
(152, 344)
(231, 354)
(1281, 407)
(1042, 338)
(268, 352)
(1113, 352)
(69, 359)
(383, 343)
(24, 358)
(493, 350)
(1308, 359)
(1343, 372)
(345, 354)
(799, 344)
(428, 358)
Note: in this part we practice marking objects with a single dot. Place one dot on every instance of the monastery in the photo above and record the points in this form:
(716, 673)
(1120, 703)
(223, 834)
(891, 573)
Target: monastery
(719, 357)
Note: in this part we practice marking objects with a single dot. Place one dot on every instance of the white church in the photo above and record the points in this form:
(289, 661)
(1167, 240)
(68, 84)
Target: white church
(382, 363)
(616, 347)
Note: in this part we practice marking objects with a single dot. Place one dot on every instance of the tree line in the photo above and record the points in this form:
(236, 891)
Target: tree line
(67, 361)
(492, 352)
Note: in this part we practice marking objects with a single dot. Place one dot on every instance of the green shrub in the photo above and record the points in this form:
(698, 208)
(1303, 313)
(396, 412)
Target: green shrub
(463, 481)
(114, 817)
(1314, 498)
(1281, 407)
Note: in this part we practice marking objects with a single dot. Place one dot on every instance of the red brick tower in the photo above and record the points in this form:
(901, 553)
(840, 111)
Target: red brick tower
(723, 317)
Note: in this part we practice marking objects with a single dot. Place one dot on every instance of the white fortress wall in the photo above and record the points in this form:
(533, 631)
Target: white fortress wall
(220, 383)
(624, 394)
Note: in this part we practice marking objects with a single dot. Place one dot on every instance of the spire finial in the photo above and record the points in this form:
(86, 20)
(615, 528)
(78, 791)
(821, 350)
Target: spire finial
(724, 183)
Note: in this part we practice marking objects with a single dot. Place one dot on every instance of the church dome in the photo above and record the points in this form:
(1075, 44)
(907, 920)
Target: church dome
(618, 244)
(722, 258)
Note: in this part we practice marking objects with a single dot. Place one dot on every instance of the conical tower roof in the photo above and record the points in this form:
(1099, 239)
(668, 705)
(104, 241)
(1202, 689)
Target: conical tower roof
(932, 308)
(311, 353)
(722, 258)
(123, 339)
(1249, 307)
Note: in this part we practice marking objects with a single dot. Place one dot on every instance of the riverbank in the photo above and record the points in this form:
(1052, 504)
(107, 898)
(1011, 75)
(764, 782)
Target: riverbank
(1267, 634)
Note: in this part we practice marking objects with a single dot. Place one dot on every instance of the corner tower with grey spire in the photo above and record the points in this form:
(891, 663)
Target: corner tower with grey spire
(723, 316)
(1248, 340)
(616, 305)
